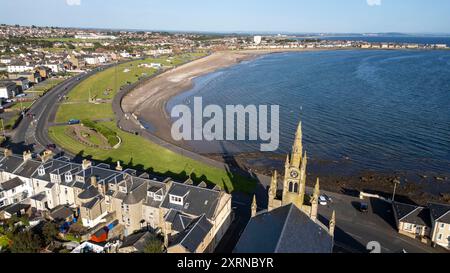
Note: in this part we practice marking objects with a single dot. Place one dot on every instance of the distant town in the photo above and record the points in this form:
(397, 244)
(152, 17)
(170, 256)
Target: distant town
(52, 201)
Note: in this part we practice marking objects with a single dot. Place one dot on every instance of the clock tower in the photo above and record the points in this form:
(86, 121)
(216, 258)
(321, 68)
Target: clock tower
(294, 182)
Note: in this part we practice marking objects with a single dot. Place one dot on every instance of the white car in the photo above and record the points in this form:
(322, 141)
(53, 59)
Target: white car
(323, 201)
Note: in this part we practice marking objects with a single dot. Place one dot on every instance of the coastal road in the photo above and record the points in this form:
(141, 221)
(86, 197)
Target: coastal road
(353, 232)
(32, 133)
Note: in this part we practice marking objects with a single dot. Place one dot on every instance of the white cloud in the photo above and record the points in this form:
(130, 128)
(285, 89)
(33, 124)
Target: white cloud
(73, 2)
(374, 3)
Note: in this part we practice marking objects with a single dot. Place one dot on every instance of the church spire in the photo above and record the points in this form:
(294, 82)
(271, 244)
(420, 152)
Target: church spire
(332, 223)
(315, 201)
(273, 190)
(297, 149)
(254, 206)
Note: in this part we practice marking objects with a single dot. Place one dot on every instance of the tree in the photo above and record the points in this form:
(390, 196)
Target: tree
(25, 242)
(154, 245)
(49, 232)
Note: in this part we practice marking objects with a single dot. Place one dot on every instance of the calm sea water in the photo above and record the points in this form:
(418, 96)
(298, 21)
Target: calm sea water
(393, 39)
(382, 110)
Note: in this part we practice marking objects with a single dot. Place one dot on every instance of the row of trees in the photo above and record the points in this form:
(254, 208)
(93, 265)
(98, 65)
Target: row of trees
(23, 239)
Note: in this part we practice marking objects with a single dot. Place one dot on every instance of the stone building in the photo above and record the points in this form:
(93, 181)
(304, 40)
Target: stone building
(290, 224)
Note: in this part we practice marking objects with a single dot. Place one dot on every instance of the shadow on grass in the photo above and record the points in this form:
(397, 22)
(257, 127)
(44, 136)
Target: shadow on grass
(238, 181)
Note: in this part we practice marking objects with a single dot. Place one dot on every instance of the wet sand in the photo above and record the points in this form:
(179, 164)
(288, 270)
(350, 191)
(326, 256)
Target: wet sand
(149, 101)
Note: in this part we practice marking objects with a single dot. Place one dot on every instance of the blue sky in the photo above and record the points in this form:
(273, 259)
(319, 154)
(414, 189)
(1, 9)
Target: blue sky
(340, 16)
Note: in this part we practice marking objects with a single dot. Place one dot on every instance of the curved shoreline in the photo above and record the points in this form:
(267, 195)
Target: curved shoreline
(149, 101)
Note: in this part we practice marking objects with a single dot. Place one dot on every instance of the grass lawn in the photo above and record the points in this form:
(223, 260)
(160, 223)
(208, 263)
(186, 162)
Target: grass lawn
(21, 106)
(135, 151)
(84, 111)
(45, 86)
(72, 238)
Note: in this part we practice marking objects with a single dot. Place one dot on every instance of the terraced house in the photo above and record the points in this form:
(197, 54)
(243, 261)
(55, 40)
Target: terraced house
(190, 218)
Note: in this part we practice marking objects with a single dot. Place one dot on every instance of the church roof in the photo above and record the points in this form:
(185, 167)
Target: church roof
(284, 230)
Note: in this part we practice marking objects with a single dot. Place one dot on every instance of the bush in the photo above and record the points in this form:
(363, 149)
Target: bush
(109, 134)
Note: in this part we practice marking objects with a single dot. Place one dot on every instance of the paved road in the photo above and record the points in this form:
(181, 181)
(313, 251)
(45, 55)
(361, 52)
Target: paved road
(32, 133)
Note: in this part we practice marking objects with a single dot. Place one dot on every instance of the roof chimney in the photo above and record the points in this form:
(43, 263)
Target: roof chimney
(8, 153)
(119, 167)
(27, 156)
(94, 181)
(86, 164)
(46, 156)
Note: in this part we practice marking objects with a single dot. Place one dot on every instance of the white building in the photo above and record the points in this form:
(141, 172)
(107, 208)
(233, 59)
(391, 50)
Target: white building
(257, 40)
(7, 90)
(56, 68)
(19, 68)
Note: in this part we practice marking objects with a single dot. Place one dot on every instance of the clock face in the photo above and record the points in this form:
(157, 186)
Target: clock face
(294, 174)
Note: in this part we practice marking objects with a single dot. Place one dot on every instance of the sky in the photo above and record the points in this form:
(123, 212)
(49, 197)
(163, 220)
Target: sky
(280, 16)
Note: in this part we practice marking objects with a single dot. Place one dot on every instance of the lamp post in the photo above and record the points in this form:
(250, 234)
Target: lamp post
(396, 182)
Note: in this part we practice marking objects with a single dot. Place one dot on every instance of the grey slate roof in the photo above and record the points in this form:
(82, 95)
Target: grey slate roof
(412, 214)
(201, 201)
(11, 184)
(440, 212)
(89, 193)
(91, 204)
(10, 163)
(137, 240)
(39, 197)
(403, 210)
(61, 213)
(194, 235)
(179, 220)
(28, 168)
(284, 230)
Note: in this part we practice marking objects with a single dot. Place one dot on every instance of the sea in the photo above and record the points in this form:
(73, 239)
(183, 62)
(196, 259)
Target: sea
(377, 110)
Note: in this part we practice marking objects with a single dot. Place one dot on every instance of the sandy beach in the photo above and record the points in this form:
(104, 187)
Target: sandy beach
(149, 101)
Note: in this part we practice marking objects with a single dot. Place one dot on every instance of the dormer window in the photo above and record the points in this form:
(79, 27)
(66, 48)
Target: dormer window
(151, 194)
(123, 189)
(176, 200)
(68, 177)
(41, 171)
(158, 197)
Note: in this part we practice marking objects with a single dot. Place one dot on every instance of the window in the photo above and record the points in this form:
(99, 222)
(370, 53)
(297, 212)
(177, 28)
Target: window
(41, 171)
(68, 177)
(442, 225)
(440, 237)
(151, 194)
(158, 197)
(176, 200)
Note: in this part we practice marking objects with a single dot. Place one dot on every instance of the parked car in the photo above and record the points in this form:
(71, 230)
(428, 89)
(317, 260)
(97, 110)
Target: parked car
(323, 201)
(74, 122)
(364, 207)
(51, 146)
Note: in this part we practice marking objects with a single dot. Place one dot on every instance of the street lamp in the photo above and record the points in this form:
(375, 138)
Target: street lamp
(396, 182)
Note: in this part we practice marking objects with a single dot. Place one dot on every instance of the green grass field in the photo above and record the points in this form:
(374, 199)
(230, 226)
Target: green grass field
(135, 151)
(45, 86)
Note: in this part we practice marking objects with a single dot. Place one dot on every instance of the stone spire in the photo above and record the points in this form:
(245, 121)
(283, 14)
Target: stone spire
(254, 206)
(315, 201)
(287, 163)
(297, 149)
(332, 223)
(273, 190)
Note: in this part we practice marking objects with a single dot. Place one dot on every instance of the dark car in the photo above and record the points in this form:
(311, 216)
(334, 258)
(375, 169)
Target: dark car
(51, 146)
(364, 207)
(74, 122)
